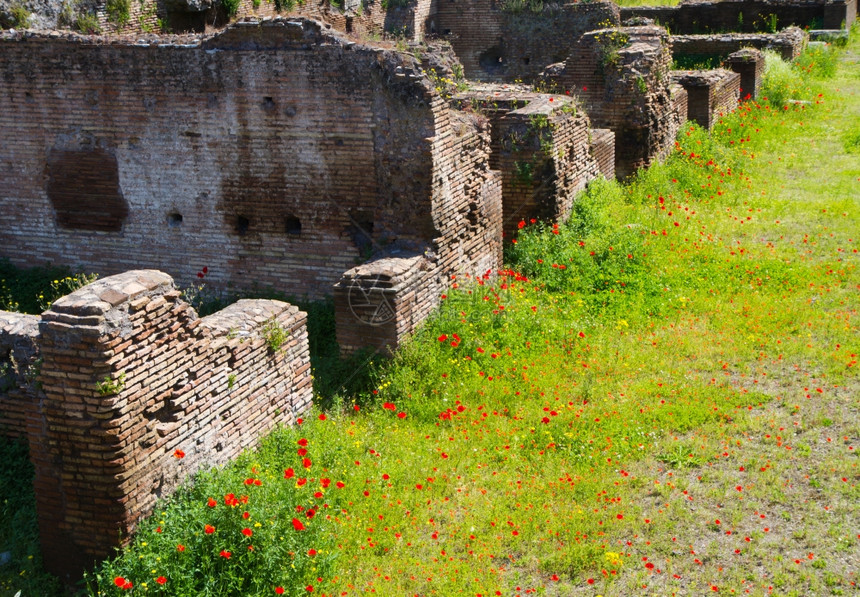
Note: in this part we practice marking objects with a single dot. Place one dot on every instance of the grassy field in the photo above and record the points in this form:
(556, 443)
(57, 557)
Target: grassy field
(659, 397)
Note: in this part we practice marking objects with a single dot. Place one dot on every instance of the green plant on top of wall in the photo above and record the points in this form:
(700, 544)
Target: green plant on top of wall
(119, 12)
(232, 7)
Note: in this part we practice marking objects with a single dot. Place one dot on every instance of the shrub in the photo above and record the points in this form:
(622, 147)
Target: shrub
(118, 12)
(781, 81)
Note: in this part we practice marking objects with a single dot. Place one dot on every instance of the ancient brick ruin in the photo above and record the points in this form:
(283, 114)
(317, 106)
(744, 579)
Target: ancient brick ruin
(710, 93)
(747, 16)
(296, 154)
(116, 377)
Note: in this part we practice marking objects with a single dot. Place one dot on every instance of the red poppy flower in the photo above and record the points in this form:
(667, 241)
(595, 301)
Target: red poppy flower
(161, 580)
(306, 462)
(179, 454)
(401, 415)
(289, 473)
(302, 442)
(297, 524)
(247, 532)
(208, 529)
(119, 581)
(279, 590)
(211, 503)
(225, 554)
(389, 406)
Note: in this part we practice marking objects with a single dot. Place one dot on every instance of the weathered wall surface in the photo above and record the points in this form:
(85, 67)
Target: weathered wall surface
(273, 154)
(208, 387)
(711, 94)
(19, 367)
(379, 303)
(694, 16)
(621, 75)
(498, 45)
(789, 43)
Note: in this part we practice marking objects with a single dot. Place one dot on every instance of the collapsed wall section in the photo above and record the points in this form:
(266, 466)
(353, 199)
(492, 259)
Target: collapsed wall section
(129, 376)
(622, 77)
(541, 144)
(379, 303)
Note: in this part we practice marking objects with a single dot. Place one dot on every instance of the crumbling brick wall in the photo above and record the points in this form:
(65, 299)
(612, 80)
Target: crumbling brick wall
(380, 302)
(541, 145)
(710, 93)
(749, 64)
(128, 376)
(499, 44)
(789, 43)
(276, 154)
(622, 77)
(695, 16)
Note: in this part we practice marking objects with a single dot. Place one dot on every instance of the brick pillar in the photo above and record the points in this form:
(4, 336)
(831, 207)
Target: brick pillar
(379, 303)
(749, 64)
(81, 466)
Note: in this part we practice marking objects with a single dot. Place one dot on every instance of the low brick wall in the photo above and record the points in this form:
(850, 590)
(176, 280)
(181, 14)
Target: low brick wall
(789, 43)
(379, 303)
(129, 375)
(695, 16)
(710, 93)
(749, 64)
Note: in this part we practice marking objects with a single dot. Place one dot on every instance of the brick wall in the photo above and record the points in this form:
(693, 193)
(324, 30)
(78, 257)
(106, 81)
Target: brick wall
(380, 302)
(498, 45)
(208, 387)
(243, 152)
(789, 43)
(710, 93)
(19, 365)
(540, 144)
(603, 151)
(694, 16)
(621, 76)
(749, 64)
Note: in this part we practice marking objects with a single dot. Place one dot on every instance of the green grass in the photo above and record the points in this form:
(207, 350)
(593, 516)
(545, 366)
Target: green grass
(651, 399)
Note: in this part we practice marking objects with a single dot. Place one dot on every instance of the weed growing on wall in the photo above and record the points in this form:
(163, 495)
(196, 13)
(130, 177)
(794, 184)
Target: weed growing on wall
(118, 12)
(33, 290)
